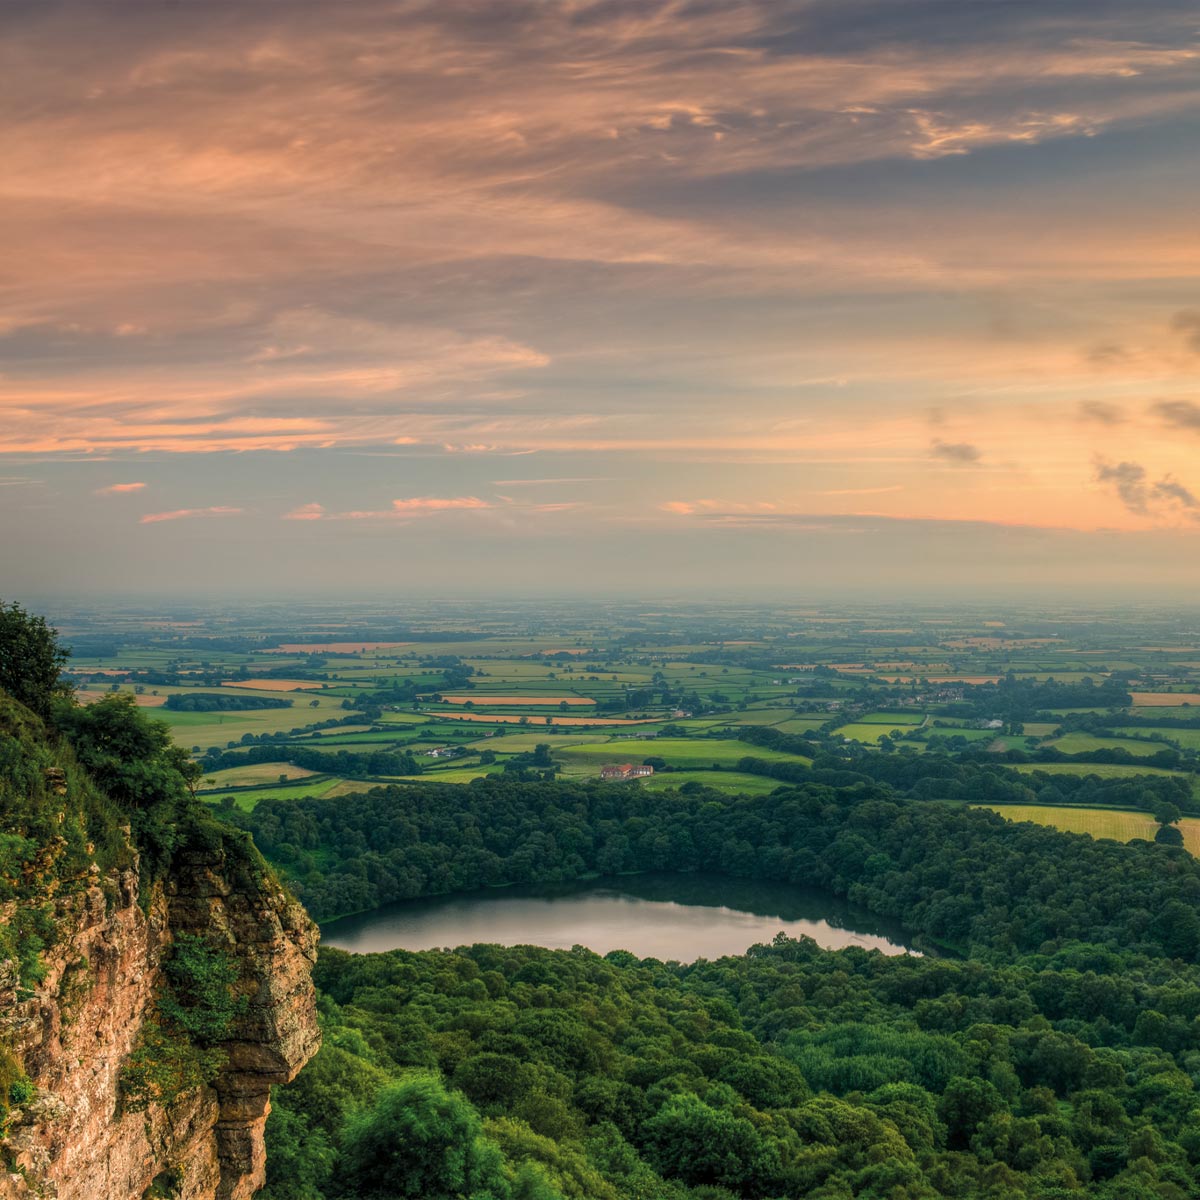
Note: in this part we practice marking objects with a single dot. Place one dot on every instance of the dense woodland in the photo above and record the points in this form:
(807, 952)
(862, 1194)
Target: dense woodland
(1051, 1049)
(965, 877)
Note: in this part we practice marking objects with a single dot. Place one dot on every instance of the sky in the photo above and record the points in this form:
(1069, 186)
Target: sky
(599, 295)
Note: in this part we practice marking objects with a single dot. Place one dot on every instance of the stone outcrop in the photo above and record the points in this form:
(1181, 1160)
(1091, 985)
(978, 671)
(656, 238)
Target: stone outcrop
(78, 1138)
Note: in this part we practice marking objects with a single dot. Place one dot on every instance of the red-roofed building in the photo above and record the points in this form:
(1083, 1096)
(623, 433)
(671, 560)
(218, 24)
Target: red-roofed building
(616, 772)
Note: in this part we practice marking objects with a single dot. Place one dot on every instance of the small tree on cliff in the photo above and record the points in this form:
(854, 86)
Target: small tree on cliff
(31, 659)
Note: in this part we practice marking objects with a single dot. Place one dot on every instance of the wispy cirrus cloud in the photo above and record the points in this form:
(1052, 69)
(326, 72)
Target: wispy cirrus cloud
(226, 206)
(632, 238)
(415, 508)
(184, 514)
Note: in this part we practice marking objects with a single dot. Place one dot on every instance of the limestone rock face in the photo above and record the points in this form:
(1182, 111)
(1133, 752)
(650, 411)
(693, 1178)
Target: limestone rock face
(77, 1140)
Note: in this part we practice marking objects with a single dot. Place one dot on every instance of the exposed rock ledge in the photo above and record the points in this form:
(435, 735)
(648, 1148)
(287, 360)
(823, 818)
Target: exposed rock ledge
(75, 1141)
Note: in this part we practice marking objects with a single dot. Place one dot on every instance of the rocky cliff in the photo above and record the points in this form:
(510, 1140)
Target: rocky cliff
(72, 1130)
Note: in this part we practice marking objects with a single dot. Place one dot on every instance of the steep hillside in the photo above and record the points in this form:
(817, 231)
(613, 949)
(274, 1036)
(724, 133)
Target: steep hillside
(155, 980)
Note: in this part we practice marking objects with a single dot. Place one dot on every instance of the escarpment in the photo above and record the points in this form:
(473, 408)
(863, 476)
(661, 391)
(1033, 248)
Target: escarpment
(124, 1075)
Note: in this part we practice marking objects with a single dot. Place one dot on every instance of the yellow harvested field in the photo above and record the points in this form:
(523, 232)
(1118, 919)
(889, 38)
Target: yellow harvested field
(483, 698)
(513, 719)
(1164, 699)
(333, 647)
(1099, 822)
(274, 685)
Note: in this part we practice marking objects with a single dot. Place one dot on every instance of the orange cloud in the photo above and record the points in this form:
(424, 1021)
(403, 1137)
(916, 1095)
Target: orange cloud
(426, 504)
(305, 512)
(116, 489)
(181, 514)
(685, 508)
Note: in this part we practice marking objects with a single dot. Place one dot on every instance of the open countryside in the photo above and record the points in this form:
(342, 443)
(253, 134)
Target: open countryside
(696, 709)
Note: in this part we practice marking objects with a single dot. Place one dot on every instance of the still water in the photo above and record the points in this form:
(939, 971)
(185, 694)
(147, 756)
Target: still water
(657, 915)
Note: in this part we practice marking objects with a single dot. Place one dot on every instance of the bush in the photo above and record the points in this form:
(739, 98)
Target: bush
(200, 999)
(165, 1066)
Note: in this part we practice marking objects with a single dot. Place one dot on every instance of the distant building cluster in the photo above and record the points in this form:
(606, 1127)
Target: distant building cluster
(616, 772)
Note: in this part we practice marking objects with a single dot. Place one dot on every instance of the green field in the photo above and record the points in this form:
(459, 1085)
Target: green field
(447, 775)
(863, 732)
(517, 743)
(1082, 743)
(219, 728)
(1098, 822)
(253, 774)
(758, 716)
(734, 783)
(681, 752)
(801, 724)
(322, 785)
(892, 720)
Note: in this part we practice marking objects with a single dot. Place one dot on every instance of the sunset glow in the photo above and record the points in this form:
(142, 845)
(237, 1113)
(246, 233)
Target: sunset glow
(389, 282)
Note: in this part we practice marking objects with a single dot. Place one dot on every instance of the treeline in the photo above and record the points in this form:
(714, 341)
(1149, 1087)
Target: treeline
(215, 702)
(963, 878)
(1105, 723)
(1015, 700)
(979, 778)
(362, 765)
(984, 779)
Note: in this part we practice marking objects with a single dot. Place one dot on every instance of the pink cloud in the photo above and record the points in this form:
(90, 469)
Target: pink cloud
(418, 506)
(306, 512)
(411, 508)
(428, 504)
(116, 489)
(179, 514)
(686, 508)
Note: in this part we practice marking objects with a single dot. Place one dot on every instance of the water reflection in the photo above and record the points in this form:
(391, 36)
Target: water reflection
(659, 915)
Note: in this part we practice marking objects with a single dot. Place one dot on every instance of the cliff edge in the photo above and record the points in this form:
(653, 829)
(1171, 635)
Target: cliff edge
(119, 1082)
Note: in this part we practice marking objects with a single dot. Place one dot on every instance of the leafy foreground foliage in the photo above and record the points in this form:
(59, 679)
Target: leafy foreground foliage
(1059, 1057)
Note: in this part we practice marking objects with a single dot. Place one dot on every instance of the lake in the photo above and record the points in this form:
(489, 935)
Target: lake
(657, 915)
